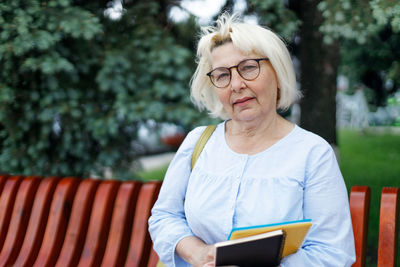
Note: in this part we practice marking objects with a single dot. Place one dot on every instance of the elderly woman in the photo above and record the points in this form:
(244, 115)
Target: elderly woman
(257, 168)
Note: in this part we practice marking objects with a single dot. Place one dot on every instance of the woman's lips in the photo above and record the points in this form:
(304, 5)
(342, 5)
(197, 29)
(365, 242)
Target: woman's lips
(242, 101)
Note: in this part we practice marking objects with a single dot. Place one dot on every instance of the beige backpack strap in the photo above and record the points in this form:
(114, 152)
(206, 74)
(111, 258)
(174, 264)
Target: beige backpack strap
(201, 143)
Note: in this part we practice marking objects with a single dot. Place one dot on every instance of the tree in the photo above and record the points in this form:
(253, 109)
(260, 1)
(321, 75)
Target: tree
(318, 61)
(326, 37)
(319, 65)
(75, 85)
(368, 31)
(42, 68)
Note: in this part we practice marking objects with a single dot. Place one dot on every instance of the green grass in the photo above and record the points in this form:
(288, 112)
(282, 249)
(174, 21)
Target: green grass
(154, 174)
(365, 159)
(373, 160)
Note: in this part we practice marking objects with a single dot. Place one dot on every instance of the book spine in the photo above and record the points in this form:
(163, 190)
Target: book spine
(283, 244)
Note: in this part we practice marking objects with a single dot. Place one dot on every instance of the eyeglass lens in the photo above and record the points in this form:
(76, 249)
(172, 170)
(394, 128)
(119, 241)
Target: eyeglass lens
(247, 69)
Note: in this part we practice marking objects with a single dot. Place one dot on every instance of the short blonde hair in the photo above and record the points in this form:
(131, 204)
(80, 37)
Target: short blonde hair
(248, 38)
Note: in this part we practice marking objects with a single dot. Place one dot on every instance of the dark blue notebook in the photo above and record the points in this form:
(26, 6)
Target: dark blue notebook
(262, 250)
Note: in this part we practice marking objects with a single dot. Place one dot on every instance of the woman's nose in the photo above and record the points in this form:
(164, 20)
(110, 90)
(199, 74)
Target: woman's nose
(237, 82)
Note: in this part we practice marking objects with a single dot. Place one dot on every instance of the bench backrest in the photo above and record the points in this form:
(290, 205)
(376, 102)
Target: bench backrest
(360, 197)
(72, 222)
(58, 222)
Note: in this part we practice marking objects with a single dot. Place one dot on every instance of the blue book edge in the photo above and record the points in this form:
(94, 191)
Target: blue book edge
(266, 225)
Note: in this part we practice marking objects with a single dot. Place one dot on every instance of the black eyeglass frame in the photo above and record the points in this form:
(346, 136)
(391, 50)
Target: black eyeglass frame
(209, 74)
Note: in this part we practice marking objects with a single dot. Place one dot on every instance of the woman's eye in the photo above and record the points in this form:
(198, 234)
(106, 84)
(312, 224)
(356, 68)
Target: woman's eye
(222, 76)
(248, 68)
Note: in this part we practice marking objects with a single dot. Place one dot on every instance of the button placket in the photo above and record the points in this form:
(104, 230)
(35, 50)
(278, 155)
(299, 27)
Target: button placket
(237, 180)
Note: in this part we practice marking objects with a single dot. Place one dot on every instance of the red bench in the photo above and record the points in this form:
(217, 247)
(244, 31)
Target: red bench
(72, 222)
(58, 221)
(360, 197)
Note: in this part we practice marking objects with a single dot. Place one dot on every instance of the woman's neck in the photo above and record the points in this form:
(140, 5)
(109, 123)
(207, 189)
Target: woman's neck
(254, 128)
(251, 137)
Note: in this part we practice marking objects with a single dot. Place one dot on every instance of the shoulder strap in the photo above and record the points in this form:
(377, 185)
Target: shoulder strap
(201, 143)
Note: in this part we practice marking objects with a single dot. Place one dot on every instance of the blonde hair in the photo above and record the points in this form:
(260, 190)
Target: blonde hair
(248, 38)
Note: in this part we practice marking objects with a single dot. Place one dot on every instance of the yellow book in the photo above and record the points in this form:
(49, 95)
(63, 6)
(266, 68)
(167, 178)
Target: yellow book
(295, 232)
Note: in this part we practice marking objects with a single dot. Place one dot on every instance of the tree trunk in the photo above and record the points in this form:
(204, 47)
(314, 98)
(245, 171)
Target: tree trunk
(319, 65)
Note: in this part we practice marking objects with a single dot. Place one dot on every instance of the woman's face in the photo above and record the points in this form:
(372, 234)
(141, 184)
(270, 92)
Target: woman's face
(246, 100)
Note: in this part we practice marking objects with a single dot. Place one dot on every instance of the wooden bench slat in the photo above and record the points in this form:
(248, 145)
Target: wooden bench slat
(121, 224)
(37, 223)
(19, 220)
(3, 179)
(60, 211)
(140, 243)
(99, 224)
(153, 259)
(78, 224)
(388, 227)
(360, 199)
(7, 201)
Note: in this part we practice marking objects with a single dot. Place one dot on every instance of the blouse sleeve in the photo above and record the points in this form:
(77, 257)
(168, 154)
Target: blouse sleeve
(330, 241)
(167, 223)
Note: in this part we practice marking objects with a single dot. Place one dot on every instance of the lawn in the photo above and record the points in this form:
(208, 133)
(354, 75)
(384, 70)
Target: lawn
(365, 159)
(153, 174)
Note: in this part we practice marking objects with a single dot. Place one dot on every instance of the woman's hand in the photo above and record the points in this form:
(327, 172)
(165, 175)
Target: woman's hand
(206, 257)
(196, 252)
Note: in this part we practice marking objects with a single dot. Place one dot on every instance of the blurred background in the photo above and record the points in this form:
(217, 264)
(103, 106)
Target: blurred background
(101, 88)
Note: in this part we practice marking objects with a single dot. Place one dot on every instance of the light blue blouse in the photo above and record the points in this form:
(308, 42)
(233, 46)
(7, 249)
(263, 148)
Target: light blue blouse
(296, 178)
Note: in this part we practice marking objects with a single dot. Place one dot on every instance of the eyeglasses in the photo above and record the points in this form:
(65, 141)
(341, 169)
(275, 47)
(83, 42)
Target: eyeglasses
(248, 69)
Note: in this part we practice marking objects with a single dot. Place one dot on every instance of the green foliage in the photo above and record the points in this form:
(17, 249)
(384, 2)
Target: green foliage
(153, 70)
(376, 55)
(275, 15)
(369, 34)
(358, 19)
(387, 12)
(153, 174)
(76, 85)
(39, 81)
(347, 19)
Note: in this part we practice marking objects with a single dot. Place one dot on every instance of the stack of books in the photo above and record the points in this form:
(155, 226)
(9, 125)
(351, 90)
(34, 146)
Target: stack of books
(261, 245)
